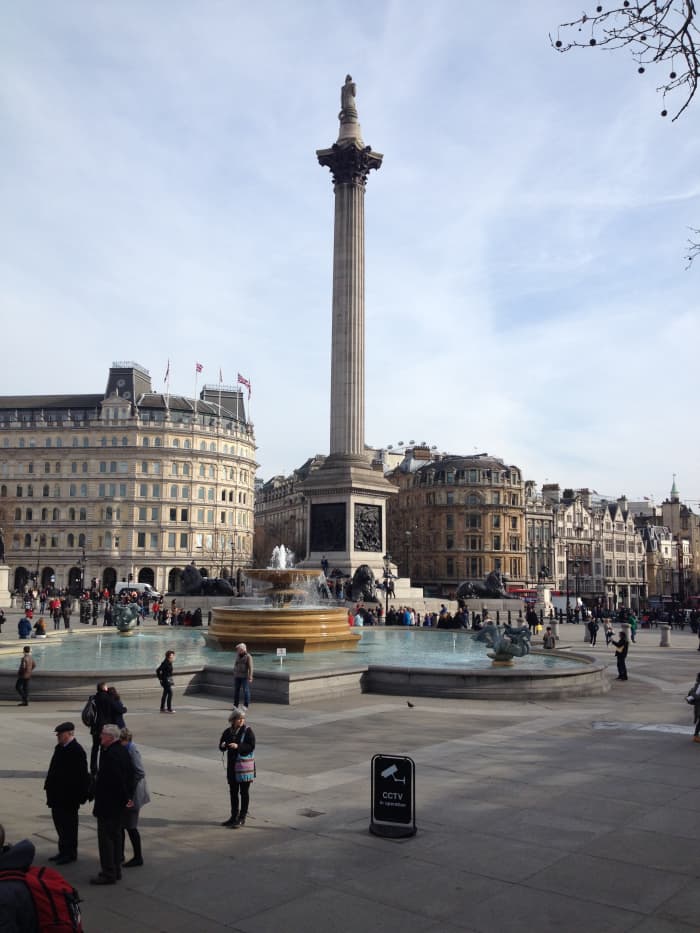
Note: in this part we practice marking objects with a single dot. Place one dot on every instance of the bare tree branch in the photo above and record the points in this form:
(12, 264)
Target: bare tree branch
(654, 32)
(665, 31)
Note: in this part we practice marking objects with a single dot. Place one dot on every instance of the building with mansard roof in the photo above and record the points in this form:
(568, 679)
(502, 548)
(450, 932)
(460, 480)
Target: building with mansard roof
(128, 484)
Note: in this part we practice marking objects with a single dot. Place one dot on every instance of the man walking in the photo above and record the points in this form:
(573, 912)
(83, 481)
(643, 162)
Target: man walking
(114, 790)
(242, 675)
(66, 786)
(24, 675)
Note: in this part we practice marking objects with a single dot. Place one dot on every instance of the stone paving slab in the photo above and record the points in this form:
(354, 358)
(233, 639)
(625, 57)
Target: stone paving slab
(564, 816)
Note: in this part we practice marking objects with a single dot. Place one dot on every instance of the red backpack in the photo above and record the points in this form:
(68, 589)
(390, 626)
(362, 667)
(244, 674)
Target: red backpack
(55, 900)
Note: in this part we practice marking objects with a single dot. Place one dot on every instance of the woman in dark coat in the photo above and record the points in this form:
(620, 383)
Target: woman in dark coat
(238, 741)
(165, 676)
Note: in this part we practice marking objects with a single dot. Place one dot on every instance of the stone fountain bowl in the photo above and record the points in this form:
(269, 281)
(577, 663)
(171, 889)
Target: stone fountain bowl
(282, 577)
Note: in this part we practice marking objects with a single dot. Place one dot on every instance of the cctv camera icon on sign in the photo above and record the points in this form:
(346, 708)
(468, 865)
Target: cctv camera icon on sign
(391, 772)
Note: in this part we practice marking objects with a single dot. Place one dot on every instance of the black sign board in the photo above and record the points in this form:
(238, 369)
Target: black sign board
(393, 799)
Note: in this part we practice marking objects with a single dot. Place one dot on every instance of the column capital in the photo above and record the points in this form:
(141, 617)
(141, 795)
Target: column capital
(349, 165)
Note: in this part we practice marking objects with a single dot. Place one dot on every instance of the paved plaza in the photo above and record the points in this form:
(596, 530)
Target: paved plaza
(581, 814)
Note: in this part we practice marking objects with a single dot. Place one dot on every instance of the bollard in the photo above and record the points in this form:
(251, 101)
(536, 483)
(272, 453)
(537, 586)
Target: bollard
(555, 628)
(509, 617)
(498, 617)
(665, 630)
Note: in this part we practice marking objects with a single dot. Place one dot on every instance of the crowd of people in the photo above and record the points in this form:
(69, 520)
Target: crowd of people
(112, 777)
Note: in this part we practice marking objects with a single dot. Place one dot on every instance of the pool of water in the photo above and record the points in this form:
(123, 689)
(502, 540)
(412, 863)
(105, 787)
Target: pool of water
(107, 651)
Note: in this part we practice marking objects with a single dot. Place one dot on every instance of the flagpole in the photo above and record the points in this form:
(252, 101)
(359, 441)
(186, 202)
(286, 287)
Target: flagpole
(167, 387)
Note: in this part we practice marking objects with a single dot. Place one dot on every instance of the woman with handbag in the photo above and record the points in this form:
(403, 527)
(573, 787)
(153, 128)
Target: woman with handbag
(130, 815)
(164, 672)
(238, 741)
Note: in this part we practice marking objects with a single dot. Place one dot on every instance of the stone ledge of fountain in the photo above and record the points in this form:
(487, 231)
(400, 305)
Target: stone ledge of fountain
(503, 683)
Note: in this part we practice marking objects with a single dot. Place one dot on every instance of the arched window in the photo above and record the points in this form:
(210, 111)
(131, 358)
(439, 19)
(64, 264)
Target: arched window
(109, 513)
(210, 495)
(57, 492)
(157, 442)
(115, 442)
(30, 490)
(145, 442)
(27, 540)
(71, 515)
(176, 442)
(125, 441)
(42, 540)
(201, 493)
(45, 490)
(44, 515)
(18, 515)
(212, 446)
(81, 540)
(29, 514)
(212, 474)
(83, 490)
(202, 470)
(59, 442)
(70, 540)
(75, 442)
(187, 444)
(47, 467)
(72, 490)
(82, 515)
(203, 445)
(108, 539)
(103, 442)
(56, 515)
(47, 442)
(3, 491)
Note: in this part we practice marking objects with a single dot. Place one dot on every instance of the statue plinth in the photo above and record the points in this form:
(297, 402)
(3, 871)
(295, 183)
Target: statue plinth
(5, 598)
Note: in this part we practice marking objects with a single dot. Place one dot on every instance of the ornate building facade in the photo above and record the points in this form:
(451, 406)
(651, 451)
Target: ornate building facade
(457, 519)
(126, 485)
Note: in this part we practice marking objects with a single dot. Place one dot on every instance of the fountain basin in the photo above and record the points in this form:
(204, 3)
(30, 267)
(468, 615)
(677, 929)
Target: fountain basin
(295, 628)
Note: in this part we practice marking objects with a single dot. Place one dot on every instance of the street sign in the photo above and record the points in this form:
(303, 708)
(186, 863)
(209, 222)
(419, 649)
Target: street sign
(393, 799)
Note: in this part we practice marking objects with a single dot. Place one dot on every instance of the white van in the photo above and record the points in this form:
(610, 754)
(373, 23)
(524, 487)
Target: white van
(140, 588)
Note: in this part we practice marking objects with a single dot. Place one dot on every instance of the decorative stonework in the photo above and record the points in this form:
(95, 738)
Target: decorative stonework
(348, 164)
(368, 528)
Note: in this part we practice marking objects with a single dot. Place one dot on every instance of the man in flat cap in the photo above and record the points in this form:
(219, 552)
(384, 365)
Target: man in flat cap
(67, 784)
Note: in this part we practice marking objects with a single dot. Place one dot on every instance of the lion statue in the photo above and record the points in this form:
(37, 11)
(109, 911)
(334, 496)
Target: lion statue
(493, 587)
(363, 587)
(195, 583)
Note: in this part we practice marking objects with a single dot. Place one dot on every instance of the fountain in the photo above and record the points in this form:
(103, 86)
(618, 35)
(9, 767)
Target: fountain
(291, 617)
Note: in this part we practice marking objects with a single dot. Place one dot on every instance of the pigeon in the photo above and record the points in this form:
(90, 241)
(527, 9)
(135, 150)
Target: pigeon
(409, 704)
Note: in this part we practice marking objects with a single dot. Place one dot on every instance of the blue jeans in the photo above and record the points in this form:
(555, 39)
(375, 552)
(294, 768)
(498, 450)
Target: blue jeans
(239, 682)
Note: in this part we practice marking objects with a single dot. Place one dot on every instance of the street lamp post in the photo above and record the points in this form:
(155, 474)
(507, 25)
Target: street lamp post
(82, 572)
(568, 603)
(38, 560)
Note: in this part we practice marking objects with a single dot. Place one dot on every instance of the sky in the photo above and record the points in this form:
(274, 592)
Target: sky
(526, 284)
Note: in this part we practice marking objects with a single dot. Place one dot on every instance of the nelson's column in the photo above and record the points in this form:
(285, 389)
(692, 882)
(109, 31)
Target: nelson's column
(347, 496)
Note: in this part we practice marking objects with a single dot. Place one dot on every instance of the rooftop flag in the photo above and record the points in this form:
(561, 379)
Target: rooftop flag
(244, 382)
(199, 367)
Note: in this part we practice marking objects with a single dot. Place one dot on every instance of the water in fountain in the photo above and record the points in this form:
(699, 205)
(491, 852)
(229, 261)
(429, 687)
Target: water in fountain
(282, 558)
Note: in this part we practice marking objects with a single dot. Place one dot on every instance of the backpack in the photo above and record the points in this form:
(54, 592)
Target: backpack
(89, 712)
(55, 900)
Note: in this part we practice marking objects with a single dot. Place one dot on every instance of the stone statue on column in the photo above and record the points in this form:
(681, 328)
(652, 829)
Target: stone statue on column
(348, 107)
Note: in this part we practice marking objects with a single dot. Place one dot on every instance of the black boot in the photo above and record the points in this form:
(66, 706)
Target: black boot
(231, 821)
(135, 839)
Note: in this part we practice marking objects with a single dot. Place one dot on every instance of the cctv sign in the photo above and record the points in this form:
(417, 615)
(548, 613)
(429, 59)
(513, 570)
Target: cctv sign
(393, 800)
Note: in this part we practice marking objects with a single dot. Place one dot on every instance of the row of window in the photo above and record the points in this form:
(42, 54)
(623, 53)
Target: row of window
(151, 539)
(144, 514)
(473, 568)
(452, 498)
(229, 449)
(122, 466)
(451, 477)
(112, 490)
